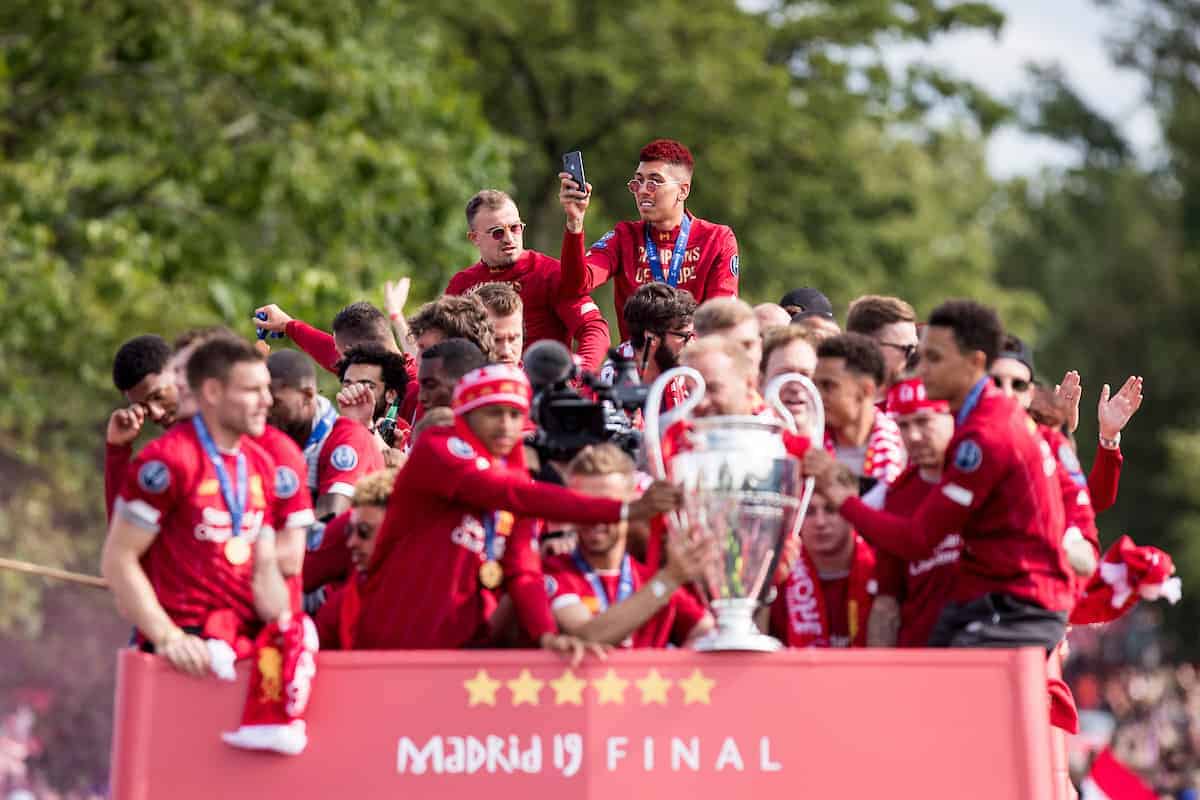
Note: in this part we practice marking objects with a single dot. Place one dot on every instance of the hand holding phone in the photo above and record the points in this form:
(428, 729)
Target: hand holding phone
(573, 166)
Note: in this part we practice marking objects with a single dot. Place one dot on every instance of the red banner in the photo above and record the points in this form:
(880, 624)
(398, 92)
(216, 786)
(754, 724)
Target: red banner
(521, 724)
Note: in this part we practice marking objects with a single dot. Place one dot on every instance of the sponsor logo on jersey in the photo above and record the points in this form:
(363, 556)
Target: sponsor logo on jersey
(287, 483)
(344, 457)
(460, 448)
(968, 456)
(154, 477)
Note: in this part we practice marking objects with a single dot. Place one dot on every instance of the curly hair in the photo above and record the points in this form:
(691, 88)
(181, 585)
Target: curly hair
(391, 365)
(137, 358)
(656, 308)
(456, 316)
(374, 489)
(498, 297)
(975, 326)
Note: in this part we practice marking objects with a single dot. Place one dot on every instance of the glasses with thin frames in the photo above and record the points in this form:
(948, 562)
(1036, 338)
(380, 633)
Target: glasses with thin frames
(497, 233)
(652, 184)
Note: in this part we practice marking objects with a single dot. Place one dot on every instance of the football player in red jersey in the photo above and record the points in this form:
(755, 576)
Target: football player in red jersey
(1014, 587)
(912, 593)
(850, 370)
(495, 228)
(197, 504)
(461, 524)
(141, 373)
(338, 615)
(600, 593)
(338, 450)
(374, 385)
(667, 244)
(827, 597)
(506, 310)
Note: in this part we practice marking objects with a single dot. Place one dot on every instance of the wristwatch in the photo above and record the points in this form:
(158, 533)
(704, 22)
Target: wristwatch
(660, 588)
(1111, 444)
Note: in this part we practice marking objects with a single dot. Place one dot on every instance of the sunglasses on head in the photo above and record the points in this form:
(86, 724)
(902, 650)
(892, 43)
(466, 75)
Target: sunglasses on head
(1017, 384)
(497, 233)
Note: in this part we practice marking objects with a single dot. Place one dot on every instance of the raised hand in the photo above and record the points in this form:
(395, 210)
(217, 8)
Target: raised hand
(395, 296)
(125, 424)
(688, 557)
(1069, 391)
(660, 497)
(1114, 414)
(574, 202)
(357, 401)
(276, 319)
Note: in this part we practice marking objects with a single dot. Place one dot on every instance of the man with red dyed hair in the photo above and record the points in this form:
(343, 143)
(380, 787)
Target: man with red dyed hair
(667, 244)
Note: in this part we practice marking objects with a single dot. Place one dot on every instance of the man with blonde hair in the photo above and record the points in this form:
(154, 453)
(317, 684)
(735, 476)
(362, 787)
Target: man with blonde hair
(495, 228)
(600, 593)
(338, 617)
(507, 313)
(732, 319)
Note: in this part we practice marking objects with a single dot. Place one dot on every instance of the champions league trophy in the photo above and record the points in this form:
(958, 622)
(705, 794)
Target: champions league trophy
(741, 489)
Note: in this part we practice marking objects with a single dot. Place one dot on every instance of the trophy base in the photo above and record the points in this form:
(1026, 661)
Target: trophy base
(736, 629)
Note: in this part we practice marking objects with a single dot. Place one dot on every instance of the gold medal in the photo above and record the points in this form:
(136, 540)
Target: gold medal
(237, 550)
(491, 574)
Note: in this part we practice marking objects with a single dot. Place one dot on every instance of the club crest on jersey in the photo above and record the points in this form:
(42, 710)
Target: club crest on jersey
(344, 458)
(460, 448)
(154, 477)
(734, 265)
(1069, 460)
(602, 242)
(968, 456)
(287, 483)
(551, 584)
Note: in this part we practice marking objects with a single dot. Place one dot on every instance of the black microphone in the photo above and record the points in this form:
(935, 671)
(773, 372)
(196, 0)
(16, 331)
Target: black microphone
(548, 362)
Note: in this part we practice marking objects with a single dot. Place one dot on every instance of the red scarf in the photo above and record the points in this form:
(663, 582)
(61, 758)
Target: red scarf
(807, 616)
(885, 457)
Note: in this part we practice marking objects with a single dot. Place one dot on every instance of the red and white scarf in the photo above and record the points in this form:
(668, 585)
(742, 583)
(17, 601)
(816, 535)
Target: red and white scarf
(807, 616)
(885, 458)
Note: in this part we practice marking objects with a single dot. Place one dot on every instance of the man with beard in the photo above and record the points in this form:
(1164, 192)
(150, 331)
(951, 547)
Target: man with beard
(659, 321)
(140, 373)
(601, 593)
(666, 244)
(912, 593)
(338, 451)
(199, 501)
(1014, 586)
(495, 228)
(374, 385)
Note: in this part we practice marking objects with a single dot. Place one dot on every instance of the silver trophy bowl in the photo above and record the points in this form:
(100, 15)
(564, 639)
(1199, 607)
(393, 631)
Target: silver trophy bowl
(742, 490)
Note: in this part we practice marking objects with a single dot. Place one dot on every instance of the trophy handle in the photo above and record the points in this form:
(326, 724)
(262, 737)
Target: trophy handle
(657, 422)
(816, 430)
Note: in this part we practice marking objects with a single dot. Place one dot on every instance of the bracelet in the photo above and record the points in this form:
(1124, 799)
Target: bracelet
(396, 315)
(624, 512)
(1111, 444)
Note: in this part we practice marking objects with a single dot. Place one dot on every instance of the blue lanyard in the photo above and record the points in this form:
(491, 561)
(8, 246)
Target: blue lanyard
(321, 428)
(624, 583)
(489, 535)
(235, 503)
(677, 254)
(971, 401)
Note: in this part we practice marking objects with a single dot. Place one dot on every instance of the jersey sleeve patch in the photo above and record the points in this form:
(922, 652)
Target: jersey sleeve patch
(734, 265)
(959, 494)
(551, 585)
(968, 456)
(287, 483)
(460, 448)
(154, 477)
(344, 457)
(602, 242)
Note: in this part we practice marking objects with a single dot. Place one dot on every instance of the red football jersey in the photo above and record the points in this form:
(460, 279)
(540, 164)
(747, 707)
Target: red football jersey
(348, 453)
(423, 588)
(1073, 484)
(293, 503)
(172, 491)
(923, 586)
(330, 561)
(536, 277)
(999, 492)
(710, 265)
(566, 586)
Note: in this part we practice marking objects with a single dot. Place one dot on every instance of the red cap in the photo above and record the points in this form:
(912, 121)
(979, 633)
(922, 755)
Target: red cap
(908, 397)
(493, 384)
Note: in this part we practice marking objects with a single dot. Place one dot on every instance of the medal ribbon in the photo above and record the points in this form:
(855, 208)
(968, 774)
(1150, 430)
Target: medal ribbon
(489, 535)
(971, 401)
(677, 254)
(236, 503)
(624, 583)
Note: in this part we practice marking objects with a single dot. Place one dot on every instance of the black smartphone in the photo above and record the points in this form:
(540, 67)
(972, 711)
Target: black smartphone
(573, 165)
